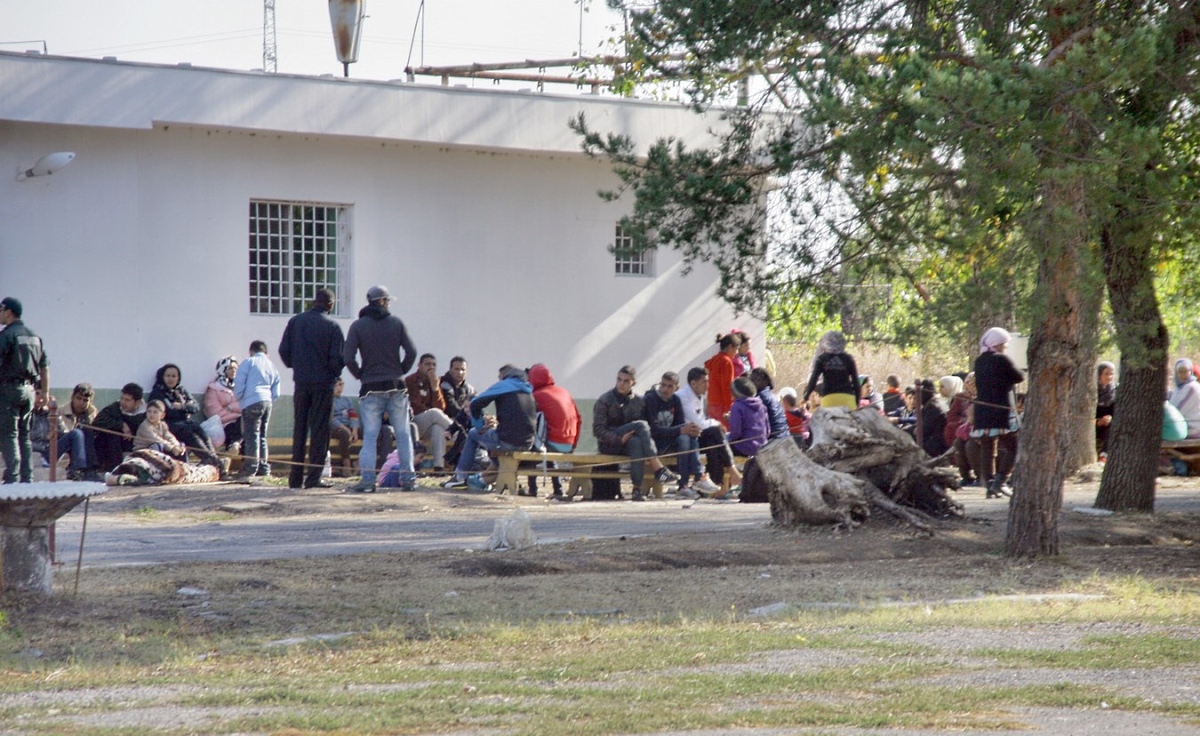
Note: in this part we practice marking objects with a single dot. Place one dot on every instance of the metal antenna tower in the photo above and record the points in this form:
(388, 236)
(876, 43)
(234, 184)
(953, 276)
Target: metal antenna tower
(270, 58)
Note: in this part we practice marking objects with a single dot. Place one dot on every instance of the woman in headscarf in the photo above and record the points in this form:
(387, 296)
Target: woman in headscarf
(995, 427)
(962, 393)
(1186, 396)
(867, 395)
(1106, 401)
(835, 369)
(220, 401)
(168, 388)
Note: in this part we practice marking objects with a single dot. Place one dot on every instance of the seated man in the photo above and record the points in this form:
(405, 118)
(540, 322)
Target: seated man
(712, 438)
(620, 430)
(111, 433)
(563, 421)
(343, 429)
(458, 394)
(429, 408)
(671, 430)
(72, 441)
(512, 428)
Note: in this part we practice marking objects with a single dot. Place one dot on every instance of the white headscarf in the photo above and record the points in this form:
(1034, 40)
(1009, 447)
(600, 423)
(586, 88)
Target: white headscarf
(222, 364)
(992, 339)
(951, 386)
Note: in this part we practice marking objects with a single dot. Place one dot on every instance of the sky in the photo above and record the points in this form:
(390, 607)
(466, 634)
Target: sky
(229, 33)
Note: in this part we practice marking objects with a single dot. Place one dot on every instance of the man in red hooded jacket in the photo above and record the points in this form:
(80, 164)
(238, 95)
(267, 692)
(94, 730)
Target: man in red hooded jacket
(563, 420)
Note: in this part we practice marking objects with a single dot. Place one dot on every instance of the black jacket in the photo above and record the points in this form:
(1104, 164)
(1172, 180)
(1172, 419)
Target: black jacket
(312, 347)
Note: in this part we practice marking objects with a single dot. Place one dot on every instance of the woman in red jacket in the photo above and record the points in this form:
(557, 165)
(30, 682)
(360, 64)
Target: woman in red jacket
(720, 378)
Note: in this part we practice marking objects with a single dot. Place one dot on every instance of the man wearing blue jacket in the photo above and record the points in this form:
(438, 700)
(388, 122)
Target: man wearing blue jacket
(512, 428)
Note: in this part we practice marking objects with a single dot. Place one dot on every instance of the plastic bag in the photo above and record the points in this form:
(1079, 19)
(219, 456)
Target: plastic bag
(513, 532)
(1175, 427)
(214, 430)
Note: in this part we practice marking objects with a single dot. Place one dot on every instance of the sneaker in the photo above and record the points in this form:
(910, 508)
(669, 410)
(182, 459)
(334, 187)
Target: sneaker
(363, 486)
(665, 475)
(75, 475)
(475, 483)
(686, 492)
(639, 496)
(407, 485)
(455, 484)
(704, 485)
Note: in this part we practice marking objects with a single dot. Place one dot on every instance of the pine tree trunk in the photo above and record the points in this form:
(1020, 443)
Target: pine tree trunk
(1128, 483)
(1055, 354)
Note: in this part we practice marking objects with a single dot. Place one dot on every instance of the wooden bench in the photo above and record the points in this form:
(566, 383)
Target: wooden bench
(583, 468)
(1186, 450)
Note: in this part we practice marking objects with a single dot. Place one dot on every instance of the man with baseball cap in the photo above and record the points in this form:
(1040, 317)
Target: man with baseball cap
(22, 362)
(379, 336)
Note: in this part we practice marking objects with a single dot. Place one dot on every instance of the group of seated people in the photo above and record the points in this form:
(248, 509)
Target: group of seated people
(667, 420)
(160, 427)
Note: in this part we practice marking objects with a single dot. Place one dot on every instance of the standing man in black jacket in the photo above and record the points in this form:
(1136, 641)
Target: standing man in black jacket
(22, 363)
(312, 347)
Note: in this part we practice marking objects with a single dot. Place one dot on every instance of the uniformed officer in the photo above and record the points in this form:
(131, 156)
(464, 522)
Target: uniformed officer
(22, 362)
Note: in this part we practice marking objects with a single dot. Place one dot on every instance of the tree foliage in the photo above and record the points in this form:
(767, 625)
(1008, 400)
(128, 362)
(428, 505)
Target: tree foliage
(1006, 161)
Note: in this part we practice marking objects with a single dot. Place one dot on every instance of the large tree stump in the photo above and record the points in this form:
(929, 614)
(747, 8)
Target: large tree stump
(858, 460)
(802, 492)
(866, 445)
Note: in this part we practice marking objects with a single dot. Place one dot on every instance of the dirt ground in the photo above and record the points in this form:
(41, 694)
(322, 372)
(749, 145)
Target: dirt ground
(738, 572)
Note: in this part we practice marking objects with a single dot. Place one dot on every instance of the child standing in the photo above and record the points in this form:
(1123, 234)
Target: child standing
(256, 388)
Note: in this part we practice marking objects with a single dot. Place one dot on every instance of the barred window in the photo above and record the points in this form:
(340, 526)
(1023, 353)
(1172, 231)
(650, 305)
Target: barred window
(628, 259)
(295, 249)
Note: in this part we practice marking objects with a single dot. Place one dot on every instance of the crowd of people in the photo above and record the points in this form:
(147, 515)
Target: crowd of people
(727, 409)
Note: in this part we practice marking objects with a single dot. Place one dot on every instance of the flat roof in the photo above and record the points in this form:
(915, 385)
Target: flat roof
(38, 88)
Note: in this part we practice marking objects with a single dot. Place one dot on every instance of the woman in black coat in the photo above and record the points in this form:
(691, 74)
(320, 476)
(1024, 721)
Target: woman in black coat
(168, 388)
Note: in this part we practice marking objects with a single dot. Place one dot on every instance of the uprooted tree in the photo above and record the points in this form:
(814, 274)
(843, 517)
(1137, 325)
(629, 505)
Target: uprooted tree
(858, 460)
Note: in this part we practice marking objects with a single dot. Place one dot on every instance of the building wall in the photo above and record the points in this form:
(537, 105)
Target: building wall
(136, 254)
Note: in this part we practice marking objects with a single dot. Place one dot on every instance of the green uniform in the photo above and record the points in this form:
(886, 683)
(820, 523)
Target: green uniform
(22, 360)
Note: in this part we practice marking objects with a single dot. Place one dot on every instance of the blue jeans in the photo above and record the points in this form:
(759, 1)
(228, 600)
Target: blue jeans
(370, 410)
(255, 456)
(688, 461)
(73, 443)
(489, 440)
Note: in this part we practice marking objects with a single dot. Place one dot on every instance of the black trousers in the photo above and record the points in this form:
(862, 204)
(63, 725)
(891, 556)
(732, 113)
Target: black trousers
(313, 404)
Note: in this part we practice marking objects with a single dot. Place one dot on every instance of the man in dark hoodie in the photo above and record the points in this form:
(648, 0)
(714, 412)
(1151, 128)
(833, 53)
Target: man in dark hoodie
(512, 428)
(312, 347)
(380, 336)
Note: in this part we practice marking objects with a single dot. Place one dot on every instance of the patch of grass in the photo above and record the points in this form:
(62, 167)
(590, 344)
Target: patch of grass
(1107, 652)
(145, 512)
(1127, 599)
(588, 677)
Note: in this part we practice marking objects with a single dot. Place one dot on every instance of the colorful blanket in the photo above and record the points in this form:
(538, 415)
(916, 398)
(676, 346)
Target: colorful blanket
(153, 468)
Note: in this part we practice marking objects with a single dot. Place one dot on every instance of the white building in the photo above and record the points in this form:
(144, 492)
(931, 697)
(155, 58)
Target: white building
(204, 206)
